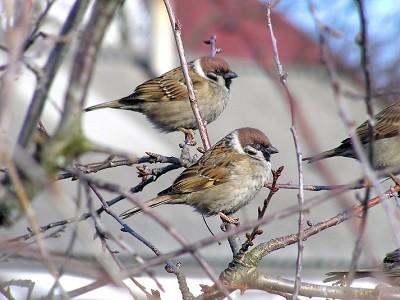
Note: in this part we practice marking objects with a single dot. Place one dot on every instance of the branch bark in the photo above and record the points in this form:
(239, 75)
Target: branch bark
(49, 71)
(69, 141)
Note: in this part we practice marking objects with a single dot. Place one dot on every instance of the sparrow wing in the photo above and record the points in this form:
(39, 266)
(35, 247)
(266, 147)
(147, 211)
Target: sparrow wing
(387, 123)
(167, 87)
(211, 170)
(391, 263)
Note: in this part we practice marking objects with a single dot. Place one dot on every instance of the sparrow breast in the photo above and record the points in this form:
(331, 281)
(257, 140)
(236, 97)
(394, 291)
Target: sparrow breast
(386, 152)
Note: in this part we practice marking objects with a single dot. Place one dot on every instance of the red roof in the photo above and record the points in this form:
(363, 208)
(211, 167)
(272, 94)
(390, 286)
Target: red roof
(241, 30)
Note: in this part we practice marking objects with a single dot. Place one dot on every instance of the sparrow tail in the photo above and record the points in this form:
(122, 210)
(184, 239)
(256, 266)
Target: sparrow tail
(339, 276)
(326, 154)
(151, 203)
(118, 104)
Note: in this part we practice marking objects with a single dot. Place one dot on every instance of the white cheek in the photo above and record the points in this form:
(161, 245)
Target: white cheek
(236, 144)
(199, 69)
(221, 81)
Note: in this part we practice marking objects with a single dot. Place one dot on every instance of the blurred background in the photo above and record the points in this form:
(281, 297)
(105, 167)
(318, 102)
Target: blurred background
(139, 45)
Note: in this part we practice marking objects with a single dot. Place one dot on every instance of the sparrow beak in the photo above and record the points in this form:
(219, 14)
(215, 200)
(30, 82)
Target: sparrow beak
(271, 150)
(230, 75)
(267, 151)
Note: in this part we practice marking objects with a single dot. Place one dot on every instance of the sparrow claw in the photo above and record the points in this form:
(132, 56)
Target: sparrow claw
(222, 227)
(142, 171)
(230, 220)
(201, 150)
(189, 136)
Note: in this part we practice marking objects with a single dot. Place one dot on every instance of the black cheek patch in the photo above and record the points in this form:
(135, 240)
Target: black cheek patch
(267, 156)
(228, 83)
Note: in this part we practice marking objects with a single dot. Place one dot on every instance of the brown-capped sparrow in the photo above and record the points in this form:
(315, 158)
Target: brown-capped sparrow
(164, 99)
(224, 179)
(386, 143)
(388, 272)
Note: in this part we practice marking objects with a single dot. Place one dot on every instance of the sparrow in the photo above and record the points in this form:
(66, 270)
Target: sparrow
(386, 140)
(164, 100)
(389, 271)
(224, 179)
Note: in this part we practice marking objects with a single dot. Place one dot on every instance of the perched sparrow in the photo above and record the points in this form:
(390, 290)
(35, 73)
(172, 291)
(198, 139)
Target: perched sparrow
(224, 179)
(389, 271)
(387, 140)
(164, 99)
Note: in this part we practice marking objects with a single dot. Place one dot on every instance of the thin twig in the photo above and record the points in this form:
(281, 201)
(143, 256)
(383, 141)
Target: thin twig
(371, 136)
(317, 188)
(38, 23)
(293, 110)
(182, 282)
(20, 283)
(71, 244)
(53, 62)
(102, 233)
(213, 45)
(84, 61)
(166, 225)
(368, 171)
(138, 188)
(125, 227)
(284, 241)
(176, 27)
(108, 210)
(31, 216)
(149, 158)
(261, 212)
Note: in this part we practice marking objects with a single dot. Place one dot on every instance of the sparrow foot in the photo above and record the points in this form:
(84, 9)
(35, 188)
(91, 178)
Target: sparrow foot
(230, 220)
(189, 136)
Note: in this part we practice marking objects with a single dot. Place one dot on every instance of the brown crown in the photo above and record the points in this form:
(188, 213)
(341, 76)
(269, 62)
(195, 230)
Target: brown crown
(214, 64)
(250, 136)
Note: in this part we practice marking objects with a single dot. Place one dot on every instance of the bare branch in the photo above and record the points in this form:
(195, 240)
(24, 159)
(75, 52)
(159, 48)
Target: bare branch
(371, 136)
(38, 23)
(213, 46)
(278, 242)
(176, 27)
(293, 110)
(261, 212)
(50, 69)
(267, 283)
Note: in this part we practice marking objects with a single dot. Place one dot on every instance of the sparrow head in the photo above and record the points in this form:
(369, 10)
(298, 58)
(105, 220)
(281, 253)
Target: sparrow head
(254, 143)
(392, 259)
(216, 70)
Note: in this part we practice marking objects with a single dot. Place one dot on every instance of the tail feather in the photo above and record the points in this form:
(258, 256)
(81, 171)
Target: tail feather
(118, 104)
(151, 203)
(341, 275)
(323, 155)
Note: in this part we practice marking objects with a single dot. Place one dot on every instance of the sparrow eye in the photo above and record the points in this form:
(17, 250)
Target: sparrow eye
(212, 76)
(250, 151)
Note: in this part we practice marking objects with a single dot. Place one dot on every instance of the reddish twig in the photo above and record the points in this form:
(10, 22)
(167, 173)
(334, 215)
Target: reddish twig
(370, 120)
(293, 110)
(213, 46)
(368, 171)
(261, 212)
(355, 211)
(176, 26)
